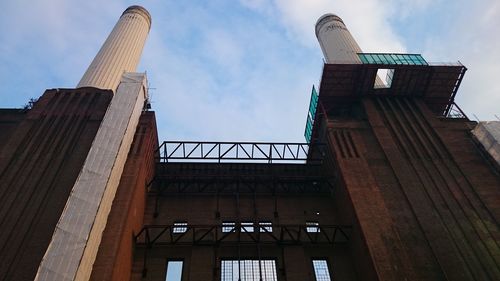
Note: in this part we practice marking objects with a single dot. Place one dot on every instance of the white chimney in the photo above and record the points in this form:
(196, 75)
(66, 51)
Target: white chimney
(120, 52)
(336, 41)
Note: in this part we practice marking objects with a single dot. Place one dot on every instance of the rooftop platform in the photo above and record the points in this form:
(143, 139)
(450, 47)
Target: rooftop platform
(408, 75)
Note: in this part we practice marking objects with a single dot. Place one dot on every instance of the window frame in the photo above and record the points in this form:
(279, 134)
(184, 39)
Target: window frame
(310, 225)
(328, 268)
(174, 260)
(266, 226)
(228, 224)
(267, 268)
(179, 227)
(247, 226)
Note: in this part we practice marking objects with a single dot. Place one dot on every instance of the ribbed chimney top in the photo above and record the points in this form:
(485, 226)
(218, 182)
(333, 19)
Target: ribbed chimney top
(140, 11)
(326, 18)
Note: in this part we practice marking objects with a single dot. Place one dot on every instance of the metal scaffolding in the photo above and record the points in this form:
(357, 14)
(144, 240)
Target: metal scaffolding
(249, 152)
(164, 235)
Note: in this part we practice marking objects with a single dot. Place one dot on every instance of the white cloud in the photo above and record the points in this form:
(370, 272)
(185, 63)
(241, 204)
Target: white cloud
(471, 38)
(51, 42)
(466, 33)
(367, 22)
(243, 73)
(199, 96)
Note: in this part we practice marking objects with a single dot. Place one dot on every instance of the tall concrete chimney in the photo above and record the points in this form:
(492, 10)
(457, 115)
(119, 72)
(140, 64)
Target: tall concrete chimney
(120, 52)
(336, 41)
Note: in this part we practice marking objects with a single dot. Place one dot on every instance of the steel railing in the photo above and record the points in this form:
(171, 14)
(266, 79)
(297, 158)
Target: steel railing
(260, 152)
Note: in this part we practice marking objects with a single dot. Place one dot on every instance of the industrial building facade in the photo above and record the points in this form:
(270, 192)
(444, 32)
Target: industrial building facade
(390, 185)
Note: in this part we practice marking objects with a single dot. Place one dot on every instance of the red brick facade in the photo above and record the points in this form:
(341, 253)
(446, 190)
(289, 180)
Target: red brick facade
(42, 152)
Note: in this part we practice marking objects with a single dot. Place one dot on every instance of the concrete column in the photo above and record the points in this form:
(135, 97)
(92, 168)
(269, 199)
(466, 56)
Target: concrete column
(120, 52)
(336, 41)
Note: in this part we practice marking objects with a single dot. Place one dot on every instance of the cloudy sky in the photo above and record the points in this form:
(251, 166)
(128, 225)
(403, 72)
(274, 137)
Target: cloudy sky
(242, 70)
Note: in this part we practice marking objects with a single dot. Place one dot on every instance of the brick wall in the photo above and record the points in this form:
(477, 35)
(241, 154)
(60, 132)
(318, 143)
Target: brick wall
(39, 163)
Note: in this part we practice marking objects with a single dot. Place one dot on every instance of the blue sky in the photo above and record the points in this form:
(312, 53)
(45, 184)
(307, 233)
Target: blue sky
(242, 70)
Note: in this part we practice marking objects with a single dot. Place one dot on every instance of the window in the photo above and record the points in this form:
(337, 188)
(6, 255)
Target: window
(384, 76)
(179, 227)
(266, 226)
(228, 226)
(174, 271)
(312, 226)
(388, 59)
(247, 226)
(249, 270)
(321, 270)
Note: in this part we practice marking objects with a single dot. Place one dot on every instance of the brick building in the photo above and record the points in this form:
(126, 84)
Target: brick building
(391, 184)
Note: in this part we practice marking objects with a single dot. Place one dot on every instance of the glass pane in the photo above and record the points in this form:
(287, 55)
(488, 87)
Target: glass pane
(308, 131)
(266, 226)
(313, 111)
(400, 59)
(228, 226)
(380, 58)
(422, 60)
(312, 226)
(390, 75)
(174, 271)
(315, 93)
(407, 59)
(179, 227)
(387, 59)
(311, 108)
(321, 270)
(249, 270)
(247, 227)
(314, 99)
(363, 59)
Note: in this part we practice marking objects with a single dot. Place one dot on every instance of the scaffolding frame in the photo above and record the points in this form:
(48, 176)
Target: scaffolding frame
(212, 234)
(230, 152)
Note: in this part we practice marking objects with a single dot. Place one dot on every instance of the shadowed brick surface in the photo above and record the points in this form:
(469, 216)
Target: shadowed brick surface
(39, 163)
(424, 198)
